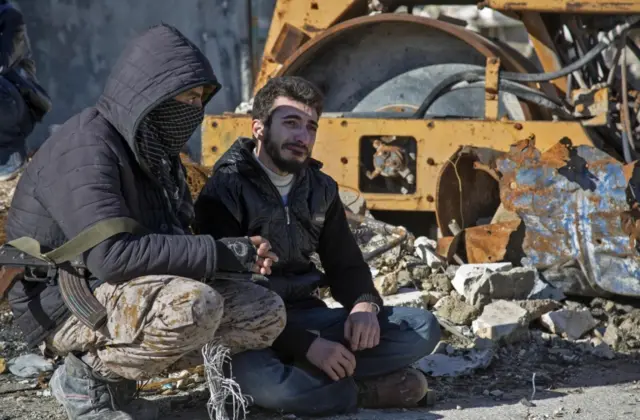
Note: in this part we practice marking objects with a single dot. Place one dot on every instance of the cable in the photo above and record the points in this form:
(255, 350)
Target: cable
(609, 37)
(523, 92)
(475, 75)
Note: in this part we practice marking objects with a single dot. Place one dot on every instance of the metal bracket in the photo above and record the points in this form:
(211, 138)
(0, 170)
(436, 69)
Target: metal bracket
(491, 88)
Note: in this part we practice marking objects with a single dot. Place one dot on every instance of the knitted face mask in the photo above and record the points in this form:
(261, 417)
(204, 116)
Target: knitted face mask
(174, 122)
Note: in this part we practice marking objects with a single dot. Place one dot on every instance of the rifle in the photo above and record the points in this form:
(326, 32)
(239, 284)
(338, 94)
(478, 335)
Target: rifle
(71, 277)
(22, 258)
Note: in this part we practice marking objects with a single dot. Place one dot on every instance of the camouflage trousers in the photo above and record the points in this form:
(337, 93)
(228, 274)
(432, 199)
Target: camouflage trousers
(162, 322)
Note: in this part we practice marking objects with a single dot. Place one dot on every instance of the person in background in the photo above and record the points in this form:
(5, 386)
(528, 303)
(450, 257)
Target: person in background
(23, 102)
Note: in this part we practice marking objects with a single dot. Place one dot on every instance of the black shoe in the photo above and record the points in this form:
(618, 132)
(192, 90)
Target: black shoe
(87, 396)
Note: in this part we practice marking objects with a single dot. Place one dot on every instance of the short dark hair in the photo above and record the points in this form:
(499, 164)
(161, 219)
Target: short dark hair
(292, 87)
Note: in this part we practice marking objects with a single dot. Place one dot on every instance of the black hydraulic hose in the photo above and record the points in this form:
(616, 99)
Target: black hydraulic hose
(475, 75)
(611, 36)
(520, 91)
(633, 46)
(439, 89)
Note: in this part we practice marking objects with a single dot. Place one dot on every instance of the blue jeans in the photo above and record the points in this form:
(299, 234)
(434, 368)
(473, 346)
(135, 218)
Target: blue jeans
(406, 335)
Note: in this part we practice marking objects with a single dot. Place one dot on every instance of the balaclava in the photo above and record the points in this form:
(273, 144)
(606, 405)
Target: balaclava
(162, 134)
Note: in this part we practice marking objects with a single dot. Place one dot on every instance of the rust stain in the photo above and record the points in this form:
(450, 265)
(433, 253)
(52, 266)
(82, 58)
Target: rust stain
(489, 243)
(628, 171)
(448, 246)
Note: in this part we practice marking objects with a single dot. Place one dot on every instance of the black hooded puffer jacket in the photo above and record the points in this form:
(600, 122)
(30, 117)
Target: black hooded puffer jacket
(89, 171)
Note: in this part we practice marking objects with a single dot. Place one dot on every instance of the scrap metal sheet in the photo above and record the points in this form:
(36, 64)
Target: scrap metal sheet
(571, 200)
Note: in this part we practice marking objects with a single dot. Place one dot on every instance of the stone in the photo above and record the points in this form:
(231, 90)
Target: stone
(387, 284)
(542, 290)
(420, 273)
(433, 297)
(572, 323)
(442, 282)
(469, 282)
(404, 279)
(502, 321)
(456, 311)
(483, 284)
(425, 250)
(601, 349)
(538, 307)
(472, 272)
(438, 364)
(612, 336)
(389, 259)
(496, 393)
(451, 271)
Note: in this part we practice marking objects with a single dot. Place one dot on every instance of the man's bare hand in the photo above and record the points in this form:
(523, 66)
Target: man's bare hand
(266, 258)
(362, 329)
(332, 358)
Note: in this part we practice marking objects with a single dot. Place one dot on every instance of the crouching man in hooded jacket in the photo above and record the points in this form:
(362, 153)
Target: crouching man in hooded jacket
(326, 361)
(120, 158)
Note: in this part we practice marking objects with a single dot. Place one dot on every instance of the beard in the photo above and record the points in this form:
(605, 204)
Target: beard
(274, 151)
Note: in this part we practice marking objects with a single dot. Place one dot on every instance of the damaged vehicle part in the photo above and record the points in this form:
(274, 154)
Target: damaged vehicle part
(572, 201)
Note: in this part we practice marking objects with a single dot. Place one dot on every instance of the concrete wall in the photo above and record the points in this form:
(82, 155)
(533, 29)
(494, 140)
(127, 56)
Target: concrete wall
(75, 43)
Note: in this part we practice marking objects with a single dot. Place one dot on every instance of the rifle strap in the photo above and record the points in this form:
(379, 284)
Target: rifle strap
(82, 242)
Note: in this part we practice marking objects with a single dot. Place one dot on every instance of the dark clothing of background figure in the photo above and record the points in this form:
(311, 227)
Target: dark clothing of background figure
(90, 170)
(23, 102)
(240, 200)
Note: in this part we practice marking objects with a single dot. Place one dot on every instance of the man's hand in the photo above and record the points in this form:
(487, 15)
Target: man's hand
(362, 329)
(332, 358)
(266, 258)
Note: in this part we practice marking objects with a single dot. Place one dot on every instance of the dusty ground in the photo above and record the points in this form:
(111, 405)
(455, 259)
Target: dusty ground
(569, 384)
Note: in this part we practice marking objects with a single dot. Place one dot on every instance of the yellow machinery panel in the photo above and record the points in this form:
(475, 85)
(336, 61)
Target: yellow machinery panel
(339, 143)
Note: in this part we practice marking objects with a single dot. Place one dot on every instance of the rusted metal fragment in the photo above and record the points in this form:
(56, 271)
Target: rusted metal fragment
(464, 192)
(492, 243)
(571, 200)
(448, 246)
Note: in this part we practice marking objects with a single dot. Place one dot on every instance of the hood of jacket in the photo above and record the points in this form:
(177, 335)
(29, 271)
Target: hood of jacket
(155, 66)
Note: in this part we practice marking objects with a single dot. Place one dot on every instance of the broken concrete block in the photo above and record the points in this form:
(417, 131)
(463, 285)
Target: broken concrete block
(538, 307)
(601, 349)
(502, 321)
(468, 280)
(438, 364)
(515, 283)
(438, 281)
(543, 290)
(387, 284)
(572, 323)
(404, 279)
(425, 249)
(456, 311)
(472, 272)
(389, 259)
(420, 273)
(612, 336)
